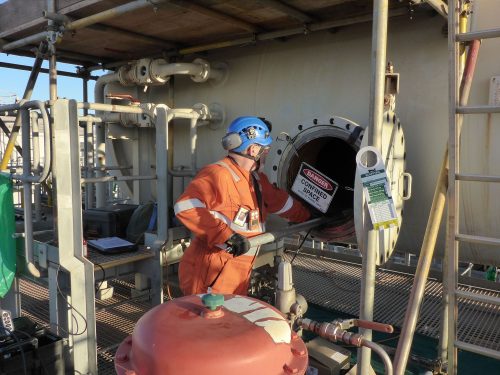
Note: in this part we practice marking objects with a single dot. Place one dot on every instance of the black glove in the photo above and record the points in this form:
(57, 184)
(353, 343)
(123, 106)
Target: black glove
(238, 244)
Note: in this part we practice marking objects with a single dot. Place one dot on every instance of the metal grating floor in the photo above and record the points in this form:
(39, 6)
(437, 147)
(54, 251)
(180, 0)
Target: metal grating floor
(116, 317)
(332, 284)
(335, 284)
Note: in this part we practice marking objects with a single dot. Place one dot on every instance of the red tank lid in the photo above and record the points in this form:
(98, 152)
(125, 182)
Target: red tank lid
(244, 336)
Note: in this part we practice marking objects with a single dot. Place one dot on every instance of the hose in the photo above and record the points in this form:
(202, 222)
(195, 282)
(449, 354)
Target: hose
(381, 353)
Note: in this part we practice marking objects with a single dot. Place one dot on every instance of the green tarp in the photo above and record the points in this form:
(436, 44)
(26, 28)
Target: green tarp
(7, 241)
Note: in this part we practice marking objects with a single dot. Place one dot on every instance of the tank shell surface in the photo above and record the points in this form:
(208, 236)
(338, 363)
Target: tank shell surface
(244, 336)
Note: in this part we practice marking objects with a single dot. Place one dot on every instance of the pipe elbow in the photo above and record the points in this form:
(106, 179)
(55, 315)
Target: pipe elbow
(33, 270)
(199, 70)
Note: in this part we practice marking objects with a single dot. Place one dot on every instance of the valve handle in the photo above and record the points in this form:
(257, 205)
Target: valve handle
(380, 327)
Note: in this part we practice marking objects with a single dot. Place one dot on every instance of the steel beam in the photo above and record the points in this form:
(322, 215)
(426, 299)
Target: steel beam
(288, 10)
(27, 95)
(188, 5)
(42, 70)
(271, 35)
(85, 22)
(133, 35)
(42, 21)
(70, 237)
(63, 20)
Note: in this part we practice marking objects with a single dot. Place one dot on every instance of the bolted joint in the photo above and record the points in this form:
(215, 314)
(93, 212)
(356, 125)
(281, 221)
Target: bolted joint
(204, 74)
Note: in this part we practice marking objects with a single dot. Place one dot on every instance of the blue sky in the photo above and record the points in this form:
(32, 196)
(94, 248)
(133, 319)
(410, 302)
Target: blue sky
(14, 81)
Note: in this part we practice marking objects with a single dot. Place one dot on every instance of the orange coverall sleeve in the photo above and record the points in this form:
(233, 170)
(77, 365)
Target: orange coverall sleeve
(193, 206)
(279, 202)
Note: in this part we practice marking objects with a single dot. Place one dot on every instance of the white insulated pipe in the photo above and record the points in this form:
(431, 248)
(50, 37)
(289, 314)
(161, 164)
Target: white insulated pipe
(36, 163)
(199, 70)
(100, 136)
(28, 209)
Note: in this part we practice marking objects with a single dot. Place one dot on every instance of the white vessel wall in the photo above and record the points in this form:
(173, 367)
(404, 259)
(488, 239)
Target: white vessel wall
(329, 73)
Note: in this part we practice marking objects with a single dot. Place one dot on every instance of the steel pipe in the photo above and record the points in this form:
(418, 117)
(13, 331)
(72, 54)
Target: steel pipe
(478, 109)
(100, 135)
(105, 117)
(269, 237)
(111, 13)
(477, 177)
(313, 27)
(381, 353)
(476, 35)
(192, 69)
(6, 130)
(46, 141)
(56, 17)
(423, 268)
(182, 173)
(483, 298)
(26, 96)
(194, 115)
(42, 70)
(116, 178)
(113, 108)
(84, 22)
(35, 38)
(35, 136)
(112, 168)
(377, 86)
(316, 26)
(28, 209)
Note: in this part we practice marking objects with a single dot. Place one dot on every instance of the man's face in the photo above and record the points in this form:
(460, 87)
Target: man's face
(259, 152)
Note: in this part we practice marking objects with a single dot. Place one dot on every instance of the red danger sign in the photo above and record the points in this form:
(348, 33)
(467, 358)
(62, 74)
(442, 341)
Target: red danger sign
(314, 187)
(317, 179)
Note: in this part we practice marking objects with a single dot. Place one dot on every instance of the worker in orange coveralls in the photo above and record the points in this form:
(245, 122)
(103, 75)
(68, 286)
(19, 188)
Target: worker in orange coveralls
(226, 203)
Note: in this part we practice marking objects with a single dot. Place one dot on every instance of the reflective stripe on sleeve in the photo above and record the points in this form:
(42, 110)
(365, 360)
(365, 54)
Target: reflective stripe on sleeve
(286, 207)
(188, 204)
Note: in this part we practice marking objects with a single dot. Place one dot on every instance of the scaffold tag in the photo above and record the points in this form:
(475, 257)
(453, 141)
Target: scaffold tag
(376, 189)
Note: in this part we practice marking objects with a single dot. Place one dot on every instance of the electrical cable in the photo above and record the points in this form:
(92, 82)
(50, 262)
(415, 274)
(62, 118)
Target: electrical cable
(21, 349)
(169, 294)
(71, 307)
(103, 276)
(300, 246)
(39, 359)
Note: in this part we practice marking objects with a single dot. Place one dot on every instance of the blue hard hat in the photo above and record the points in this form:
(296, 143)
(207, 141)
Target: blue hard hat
(245, 131)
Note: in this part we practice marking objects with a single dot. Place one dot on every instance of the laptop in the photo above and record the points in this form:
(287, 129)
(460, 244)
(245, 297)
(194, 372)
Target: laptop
(112, 245)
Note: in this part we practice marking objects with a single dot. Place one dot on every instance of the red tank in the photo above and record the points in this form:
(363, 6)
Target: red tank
(221, 335)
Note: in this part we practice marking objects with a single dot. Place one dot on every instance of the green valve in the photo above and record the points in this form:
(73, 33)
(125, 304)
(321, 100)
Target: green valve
(491, 273)
(212, 301)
